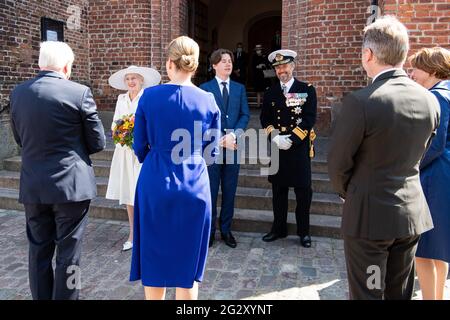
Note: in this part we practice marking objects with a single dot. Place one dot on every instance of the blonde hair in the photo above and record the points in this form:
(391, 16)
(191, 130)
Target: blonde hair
(435, 61)
(55, 55)
(388, 39)
(184, 53)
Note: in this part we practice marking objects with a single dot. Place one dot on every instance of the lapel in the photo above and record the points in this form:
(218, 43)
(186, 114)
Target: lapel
(217, 94)
(234, 99)
(295, 87)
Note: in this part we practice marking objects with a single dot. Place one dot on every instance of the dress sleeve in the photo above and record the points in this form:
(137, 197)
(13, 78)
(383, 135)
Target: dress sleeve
(117, 114)
(140, 139)
(212, 135)
(437, 146)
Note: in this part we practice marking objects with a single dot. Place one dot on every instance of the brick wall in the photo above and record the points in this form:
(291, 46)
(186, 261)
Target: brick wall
(119, 33)
(427, 20)
(21, 35)
(327, 35)
(123, 33)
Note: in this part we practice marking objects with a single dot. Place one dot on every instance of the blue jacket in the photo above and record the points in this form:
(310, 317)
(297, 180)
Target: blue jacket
(237, 114)
(440, 145)
(55, 121)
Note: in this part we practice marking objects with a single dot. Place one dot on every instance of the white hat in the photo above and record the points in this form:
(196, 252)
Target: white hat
(150, 75)
(279, 57)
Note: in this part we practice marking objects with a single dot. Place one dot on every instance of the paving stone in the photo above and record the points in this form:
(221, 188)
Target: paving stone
(281, 270)
(308, 271)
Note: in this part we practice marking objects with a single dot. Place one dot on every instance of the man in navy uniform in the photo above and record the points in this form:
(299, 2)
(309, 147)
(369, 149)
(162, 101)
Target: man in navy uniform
(288, 116)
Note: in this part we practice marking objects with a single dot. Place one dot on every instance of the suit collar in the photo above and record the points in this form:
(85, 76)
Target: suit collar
(288, 84)
(442, 85)
(390, 74)
(215, 89)
(219, 82)
(48, 73)
(295, 87)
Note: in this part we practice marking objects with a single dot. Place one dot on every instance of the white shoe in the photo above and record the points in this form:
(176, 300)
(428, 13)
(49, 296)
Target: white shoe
(127, 246)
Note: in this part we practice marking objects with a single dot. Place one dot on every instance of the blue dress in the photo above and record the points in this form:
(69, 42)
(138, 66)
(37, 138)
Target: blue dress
(435, 178)
(172, 210)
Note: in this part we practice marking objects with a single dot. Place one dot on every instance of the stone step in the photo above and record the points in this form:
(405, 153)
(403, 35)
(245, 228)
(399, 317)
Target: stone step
(253, 179)
(102, 167)
(260, 221)
(247, 179)
(245, 220)
(246, 197)
(261, 199)
(11, 180)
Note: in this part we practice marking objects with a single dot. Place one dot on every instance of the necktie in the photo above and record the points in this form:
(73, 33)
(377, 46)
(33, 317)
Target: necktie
(284, 88)
(225, 95)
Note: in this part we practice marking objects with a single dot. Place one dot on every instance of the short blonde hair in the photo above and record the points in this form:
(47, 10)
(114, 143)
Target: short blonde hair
(184, 53)
(55, 55)
(388, 39)
(435, 61)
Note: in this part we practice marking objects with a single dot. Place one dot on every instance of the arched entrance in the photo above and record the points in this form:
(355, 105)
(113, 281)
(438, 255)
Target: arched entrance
(265, 30)
(225, 23)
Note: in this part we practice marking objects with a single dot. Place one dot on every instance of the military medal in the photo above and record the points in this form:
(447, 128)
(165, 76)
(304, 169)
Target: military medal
(297, 110)
(295, 99)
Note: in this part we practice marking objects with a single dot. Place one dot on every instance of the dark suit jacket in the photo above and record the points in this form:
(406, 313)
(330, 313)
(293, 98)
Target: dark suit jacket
(55, 121)
(379, 138)
(295, 163)
(236, 114)
(241, 63)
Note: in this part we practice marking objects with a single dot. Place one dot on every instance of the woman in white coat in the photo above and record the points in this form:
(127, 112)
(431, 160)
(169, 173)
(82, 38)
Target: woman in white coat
(125, 167)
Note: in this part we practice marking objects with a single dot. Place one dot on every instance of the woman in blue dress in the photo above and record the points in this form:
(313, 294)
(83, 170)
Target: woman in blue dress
(431, 66)
(175, 138)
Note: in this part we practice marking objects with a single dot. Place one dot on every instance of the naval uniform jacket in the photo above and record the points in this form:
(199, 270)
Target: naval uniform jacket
(297, 118)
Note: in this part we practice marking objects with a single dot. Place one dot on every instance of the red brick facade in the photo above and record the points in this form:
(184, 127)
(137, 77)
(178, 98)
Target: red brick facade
(21, 34)
(327, 36)
(113, 34)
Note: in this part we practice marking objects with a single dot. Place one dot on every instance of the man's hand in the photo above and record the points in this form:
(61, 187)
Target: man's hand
(228, 141)
(283, 142)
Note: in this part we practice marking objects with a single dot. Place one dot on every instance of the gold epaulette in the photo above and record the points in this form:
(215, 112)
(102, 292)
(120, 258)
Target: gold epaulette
(302, 134)
(312, 137)
(269, 129)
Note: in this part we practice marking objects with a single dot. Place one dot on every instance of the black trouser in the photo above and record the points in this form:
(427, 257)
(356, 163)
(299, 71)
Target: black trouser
(380, 269)
(59, 226)
(280, 209)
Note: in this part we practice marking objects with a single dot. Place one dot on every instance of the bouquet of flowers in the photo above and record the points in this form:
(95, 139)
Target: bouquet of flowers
(123, 131)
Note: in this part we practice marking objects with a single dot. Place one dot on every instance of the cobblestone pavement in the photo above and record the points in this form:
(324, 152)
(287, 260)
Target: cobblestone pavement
(254, 270)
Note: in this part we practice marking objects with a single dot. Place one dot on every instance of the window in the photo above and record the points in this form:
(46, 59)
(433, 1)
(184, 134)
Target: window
(52, 30)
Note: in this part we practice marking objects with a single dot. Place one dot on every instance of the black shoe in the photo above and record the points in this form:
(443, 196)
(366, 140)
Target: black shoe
(271, 236)
(229, 240)
(211, 240)
(305, 241)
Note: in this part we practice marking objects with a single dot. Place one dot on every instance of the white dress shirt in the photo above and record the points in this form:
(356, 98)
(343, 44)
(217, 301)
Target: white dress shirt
(287, 84)
(221, 86)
